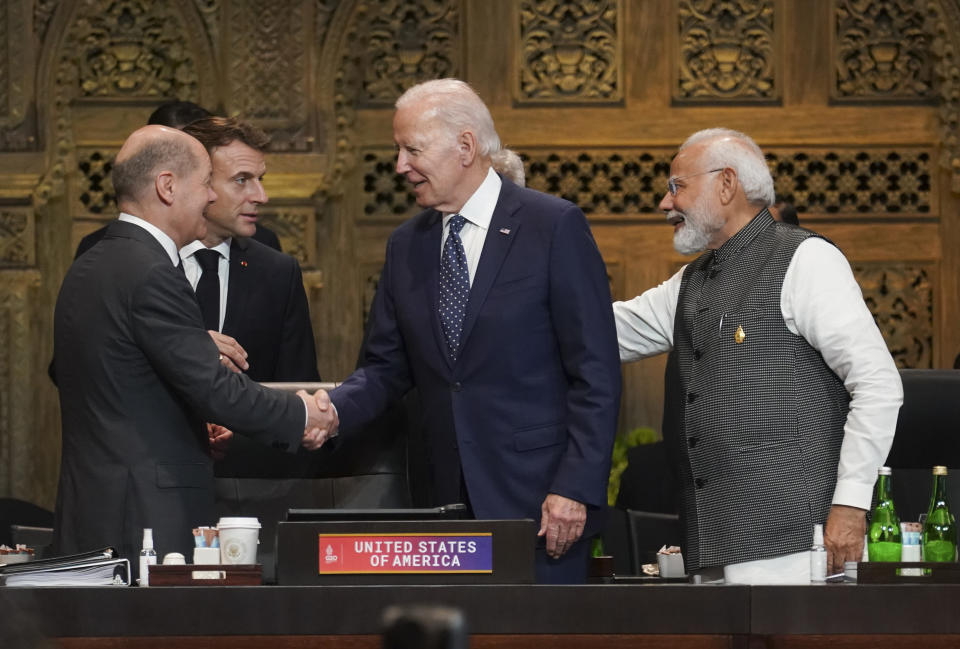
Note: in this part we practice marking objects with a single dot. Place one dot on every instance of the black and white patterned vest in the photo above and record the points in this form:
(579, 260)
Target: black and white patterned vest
(753, 416)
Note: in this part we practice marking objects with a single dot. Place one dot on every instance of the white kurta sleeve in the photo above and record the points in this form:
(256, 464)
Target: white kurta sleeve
(645, 323)
(822, 302)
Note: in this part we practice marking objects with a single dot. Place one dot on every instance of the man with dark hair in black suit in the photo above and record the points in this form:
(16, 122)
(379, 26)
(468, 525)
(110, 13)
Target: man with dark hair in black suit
(178, 114)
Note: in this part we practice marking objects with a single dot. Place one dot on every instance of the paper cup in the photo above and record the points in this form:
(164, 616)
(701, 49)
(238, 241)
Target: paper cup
(206, 556)
(239, 536)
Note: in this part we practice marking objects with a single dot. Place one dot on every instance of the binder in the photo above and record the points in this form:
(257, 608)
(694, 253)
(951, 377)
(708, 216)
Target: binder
(95, 568)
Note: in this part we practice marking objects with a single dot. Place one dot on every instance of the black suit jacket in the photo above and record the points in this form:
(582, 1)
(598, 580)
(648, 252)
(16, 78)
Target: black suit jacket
(268, 314)
(138, 375)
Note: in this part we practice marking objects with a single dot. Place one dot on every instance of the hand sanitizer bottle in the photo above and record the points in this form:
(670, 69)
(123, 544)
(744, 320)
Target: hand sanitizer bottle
(148, 556)
(818, 557)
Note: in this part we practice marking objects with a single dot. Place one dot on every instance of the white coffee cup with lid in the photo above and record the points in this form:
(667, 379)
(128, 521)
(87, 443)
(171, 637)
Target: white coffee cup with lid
(239, 536)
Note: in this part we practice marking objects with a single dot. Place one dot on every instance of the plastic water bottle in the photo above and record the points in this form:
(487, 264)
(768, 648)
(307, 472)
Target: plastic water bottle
(818, 556)
(148, 556)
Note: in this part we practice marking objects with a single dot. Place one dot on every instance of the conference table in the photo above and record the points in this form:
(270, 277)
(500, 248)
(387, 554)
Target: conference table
(839, 616)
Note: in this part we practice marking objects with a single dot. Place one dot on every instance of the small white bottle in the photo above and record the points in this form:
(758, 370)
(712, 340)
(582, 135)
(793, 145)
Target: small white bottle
(818, 557)
(148, 556)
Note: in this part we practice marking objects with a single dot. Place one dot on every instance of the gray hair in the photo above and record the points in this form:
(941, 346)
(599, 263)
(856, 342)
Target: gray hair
(458, 108)
(135, 174)
(510, 165)
(729, 148)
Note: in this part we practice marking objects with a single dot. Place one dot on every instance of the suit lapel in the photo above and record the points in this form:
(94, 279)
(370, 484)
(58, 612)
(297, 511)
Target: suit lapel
(238, 285)
(500, 235)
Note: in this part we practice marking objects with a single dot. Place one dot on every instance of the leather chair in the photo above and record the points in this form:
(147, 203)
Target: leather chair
(646, 513)
(928, 434)
(16, 516)
(648, 532)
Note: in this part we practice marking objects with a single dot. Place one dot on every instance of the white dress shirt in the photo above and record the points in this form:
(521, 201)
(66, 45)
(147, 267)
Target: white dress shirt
(477, 212)
(822, 302)
(193, 270)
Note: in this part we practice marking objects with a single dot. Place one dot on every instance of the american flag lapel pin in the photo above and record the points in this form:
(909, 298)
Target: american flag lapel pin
(504, 230)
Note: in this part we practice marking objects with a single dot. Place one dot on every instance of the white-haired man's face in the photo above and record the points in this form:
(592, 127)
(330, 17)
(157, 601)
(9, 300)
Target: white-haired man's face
(429, 158)
(692, 203)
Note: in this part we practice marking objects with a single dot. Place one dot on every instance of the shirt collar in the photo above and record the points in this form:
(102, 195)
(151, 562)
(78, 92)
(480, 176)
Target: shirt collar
(747, 233)
(479, 207)
(223, 248)
(162, 238)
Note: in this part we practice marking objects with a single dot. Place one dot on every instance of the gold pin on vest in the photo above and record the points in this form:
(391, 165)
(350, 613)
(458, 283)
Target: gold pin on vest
(739, 336)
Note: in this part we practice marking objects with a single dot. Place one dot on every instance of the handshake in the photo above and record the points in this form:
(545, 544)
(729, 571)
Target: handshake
(322, 420)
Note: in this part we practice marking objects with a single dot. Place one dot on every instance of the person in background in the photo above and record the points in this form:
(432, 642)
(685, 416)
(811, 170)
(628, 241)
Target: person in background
(508, 164)
(254, 305)
(494, 303)
(785, 212)
(781, 398)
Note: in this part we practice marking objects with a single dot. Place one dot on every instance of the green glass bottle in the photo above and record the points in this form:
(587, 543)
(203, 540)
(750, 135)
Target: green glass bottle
(883, 537)
(940, 528)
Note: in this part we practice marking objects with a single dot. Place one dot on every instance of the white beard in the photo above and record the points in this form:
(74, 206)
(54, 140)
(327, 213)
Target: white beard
(699, 225)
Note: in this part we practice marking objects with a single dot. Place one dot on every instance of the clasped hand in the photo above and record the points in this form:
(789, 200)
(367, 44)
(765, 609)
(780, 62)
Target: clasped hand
(322, 420)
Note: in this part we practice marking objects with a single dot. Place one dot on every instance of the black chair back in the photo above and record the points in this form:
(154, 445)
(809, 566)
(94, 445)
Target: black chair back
(928, 434)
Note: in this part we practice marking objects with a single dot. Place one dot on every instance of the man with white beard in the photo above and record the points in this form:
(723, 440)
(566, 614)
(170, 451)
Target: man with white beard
(781, 397)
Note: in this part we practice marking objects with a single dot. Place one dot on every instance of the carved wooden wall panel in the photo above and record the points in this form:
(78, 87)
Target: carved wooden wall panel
(132, 48)
(18, 447)
(726, 51)
(855, 181)
(92, 190)
(17, 126)
(900, 297)
(405, 42)
(268, 75)
(945, 46)
(881, 51)
(295, 225)
(569, 51)
(17, 241)
(631, 181)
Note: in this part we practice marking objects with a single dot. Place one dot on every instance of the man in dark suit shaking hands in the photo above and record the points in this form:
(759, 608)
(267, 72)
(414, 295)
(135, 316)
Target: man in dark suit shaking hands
(494, 302)
(138, 373)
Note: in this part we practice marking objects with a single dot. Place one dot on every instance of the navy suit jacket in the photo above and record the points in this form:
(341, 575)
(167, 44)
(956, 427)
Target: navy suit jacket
(530, 405)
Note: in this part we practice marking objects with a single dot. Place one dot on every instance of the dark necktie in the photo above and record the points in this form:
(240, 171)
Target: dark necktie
(208, 288)
(454, 286)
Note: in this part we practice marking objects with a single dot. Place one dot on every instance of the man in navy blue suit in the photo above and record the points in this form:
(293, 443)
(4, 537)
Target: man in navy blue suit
(494, 303)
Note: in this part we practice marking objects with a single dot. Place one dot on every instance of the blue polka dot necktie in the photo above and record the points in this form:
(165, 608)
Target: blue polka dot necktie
(454, 286)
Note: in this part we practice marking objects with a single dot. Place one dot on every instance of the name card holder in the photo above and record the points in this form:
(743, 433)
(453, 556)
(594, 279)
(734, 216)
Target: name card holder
(356, 552)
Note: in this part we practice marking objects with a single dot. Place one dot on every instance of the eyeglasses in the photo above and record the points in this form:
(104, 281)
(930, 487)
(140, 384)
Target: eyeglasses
(672, 186)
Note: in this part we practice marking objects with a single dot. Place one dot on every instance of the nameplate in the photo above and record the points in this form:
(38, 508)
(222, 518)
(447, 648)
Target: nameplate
(381, 552)
(405, 553)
